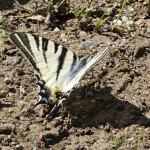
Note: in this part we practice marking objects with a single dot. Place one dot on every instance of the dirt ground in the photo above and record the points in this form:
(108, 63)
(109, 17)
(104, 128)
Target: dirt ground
(110, 109)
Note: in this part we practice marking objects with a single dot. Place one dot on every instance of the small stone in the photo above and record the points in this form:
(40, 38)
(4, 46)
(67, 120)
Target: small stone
(7, 80)
(36, 17)
(71, 28)
(107, 127)
(36, 146)
(82, 33)
(63, 35)
(131, 9)
(147, 130)
(147, 114)
(140, 22)
(22, 90)
(13, 143)
(119, 22)
(56, 29)
(16, 60)
(148, 28)
(86, 44)
(124, 18)
(130, 22)
(145, 3)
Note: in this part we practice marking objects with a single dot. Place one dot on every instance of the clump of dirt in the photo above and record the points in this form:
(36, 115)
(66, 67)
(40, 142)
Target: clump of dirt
(110, 109)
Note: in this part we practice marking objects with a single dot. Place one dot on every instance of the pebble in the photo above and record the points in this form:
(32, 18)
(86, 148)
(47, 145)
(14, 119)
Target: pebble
(119, 22)
(124, 18)
(130, 22)
(22, 90)
(140, 21)
(130, 8)
(13, 143)
(36, 17)
(148, 28)
(145, 3)
(147, 114)
(36, 146)
(56, 29)
(107, 127)
(71, 28)
(7, 80)
(16, 60)
(82, 33)
(63, 35)
(147, 130)
(86, 44)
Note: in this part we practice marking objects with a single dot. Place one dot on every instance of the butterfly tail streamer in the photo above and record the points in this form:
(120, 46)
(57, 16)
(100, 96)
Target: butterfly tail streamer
(96, 59)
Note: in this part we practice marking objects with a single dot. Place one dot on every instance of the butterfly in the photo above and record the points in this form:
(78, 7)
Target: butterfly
(59, 69)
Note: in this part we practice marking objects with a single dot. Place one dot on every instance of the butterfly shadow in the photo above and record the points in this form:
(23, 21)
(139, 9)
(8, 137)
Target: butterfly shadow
(103, 108)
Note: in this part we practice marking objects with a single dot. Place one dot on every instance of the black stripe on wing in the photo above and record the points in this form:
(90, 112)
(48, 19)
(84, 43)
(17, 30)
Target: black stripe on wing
(74, 61)
(44, 47)
(25, 40)
(56, 47)
(61, 60)
(44, 44)
(21, 41)
(36, 38)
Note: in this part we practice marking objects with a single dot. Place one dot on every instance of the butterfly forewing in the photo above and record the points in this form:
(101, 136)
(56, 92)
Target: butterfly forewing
(50, 59)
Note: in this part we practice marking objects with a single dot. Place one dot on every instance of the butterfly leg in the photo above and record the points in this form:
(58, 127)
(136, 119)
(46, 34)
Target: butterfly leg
(55, 108)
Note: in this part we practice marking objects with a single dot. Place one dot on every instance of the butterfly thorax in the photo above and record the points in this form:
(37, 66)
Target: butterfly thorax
(55, 95)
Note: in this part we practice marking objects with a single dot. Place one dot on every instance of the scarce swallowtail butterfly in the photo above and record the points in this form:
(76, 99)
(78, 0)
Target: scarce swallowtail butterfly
(59, 69)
